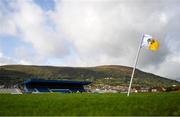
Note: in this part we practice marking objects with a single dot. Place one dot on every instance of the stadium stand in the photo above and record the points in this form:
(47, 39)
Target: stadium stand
(46, 86)
(43, 89)
(61, 90)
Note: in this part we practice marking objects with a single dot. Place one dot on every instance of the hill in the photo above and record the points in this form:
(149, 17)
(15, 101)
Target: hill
(107, 74)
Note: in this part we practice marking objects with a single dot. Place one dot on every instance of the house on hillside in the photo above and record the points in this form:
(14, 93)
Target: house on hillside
(134, 90)
(144, 89)
(139, 89)
(157, 89)
(173, 88)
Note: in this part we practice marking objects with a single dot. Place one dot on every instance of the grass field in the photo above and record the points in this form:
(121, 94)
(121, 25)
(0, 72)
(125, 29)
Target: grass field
(91, 104)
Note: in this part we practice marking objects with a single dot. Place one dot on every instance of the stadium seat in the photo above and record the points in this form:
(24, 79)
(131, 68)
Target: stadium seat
(43, 89)
(77, 90)
(30, 90)
(61, 90)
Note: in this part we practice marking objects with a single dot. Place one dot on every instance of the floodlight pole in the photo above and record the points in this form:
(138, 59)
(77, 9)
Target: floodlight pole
(134, 68)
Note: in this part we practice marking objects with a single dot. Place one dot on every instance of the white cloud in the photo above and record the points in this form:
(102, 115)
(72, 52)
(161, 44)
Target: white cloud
(105, 29)
(170, 68)
(33, 25)
(7, 26)
(108, 32)
(85, 33)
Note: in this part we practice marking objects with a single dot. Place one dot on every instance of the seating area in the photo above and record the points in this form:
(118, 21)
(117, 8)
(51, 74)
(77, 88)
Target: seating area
(43, 89)
(46, 90)
(61, 90)
(30, 90)
(77, 90)
(46, 86)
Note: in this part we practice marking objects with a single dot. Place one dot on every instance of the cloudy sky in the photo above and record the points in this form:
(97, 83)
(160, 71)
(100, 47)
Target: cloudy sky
(90, 33)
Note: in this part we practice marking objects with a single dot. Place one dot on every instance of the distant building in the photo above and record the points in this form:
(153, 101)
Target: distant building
(134, 90)
(2, 86)
(144, 90)
(157, 89)
(153, 90)
(138, 89)
(10, 91)
(42, 86)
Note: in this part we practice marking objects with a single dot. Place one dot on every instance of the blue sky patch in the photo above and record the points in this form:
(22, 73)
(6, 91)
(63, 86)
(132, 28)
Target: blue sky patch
(8, 45)
(46, 5)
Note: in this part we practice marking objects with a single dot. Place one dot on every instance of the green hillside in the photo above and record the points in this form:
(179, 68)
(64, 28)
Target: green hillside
(109, 74)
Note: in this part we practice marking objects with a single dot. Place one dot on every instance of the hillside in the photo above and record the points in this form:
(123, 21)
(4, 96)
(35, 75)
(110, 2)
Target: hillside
(108, 74)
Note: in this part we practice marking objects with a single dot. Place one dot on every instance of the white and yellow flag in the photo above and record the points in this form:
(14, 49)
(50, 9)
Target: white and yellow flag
(150, 42)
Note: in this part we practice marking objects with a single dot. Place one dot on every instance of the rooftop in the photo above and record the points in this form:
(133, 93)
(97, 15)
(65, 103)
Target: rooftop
(56, 81)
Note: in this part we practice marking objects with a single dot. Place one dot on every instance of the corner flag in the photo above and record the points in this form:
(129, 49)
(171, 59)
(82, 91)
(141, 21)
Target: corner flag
(150, 42)
(147, 41)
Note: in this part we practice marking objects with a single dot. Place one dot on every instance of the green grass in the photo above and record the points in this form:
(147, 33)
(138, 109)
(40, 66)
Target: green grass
(151, 104)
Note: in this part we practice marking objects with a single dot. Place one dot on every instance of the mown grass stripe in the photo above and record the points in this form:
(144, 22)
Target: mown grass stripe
(152, 104)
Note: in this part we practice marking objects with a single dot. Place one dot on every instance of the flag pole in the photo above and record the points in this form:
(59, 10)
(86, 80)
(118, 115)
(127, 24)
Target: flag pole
(134, 68)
